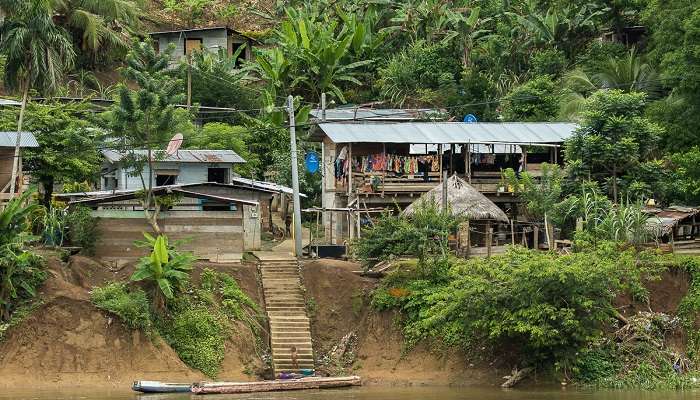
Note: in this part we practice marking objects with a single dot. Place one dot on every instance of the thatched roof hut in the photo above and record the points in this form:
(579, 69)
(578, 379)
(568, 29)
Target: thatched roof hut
(463, 201)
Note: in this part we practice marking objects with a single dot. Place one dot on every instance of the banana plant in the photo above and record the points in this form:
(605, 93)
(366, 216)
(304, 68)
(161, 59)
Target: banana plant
(14, 227)
(165, 269)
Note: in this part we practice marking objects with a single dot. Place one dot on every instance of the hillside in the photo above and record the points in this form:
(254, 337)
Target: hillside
(242, 15)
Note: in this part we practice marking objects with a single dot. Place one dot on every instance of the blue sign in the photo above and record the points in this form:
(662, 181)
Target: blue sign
(470, 118)
(312, 162)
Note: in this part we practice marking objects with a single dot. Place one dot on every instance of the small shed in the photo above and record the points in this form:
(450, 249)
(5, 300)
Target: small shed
(225, 231)
(464, 201)
(7, 155)
(210, 39)
(676, 225)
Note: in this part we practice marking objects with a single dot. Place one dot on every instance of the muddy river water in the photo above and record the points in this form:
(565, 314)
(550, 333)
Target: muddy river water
(373, 393)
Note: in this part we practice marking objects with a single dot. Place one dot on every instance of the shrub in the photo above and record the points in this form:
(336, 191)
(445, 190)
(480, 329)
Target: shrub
(418, 68)
(549, 62)
(547, 306)
(423, 235)
(82, 228)
(197, 335)
(129, 304)
(536, 100)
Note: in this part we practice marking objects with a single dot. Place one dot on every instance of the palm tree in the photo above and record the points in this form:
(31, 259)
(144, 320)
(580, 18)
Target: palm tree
(98, 23)
(37, 52)
(629, 74)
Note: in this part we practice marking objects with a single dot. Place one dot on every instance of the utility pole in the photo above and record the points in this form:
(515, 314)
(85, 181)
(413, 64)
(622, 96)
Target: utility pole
(295, 178)
(323, 170)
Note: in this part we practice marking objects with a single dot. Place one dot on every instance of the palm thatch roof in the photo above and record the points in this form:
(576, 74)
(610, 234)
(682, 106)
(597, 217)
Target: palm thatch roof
(462, 200)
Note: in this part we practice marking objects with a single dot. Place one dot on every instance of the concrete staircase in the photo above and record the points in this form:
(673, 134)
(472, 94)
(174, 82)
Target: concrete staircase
(286, 310)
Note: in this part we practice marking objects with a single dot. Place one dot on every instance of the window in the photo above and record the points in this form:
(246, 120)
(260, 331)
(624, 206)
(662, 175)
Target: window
(218, 175)
(163, 180)
(192, 45)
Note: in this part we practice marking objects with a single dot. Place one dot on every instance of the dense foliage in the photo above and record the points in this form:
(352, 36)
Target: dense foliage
(21, 271)
(130, 305)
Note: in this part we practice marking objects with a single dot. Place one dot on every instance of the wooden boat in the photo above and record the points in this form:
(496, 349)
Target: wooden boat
(161, 387)
(276, 385)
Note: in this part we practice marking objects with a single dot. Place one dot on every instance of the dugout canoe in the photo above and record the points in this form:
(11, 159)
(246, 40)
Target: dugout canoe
(275, 385)
(161, 387)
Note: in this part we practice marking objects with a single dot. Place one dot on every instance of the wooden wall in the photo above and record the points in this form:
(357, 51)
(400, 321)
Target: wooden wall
(208, 233)
(6, 157)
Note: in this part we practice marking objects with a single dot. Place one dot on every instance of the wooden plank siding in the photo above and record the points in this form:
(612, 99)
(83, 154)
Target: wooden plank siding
(206, 233)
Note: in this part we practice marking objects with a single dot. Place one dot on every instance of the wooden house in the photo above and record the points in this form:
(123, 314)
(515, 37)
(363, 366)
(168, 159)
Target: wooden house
(379, 164)
(7, 155)
(210, 221)
(212, 39)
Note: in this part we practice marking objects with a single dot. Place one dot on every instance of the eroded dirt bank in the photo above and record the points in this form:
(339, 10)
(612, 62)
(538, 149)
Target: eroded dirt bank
(68, 342)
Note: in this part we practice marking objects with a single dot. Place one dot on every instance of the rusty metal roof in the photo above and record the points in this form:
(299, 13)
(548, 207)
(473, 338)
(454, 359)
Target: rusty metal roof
(378, 114)
(183, 156)
(664, 220)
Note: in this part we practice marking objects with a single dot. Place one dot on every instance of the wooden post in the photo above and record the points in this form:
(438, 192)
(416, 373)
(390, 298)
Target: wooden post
(536, 241)
(524, 158)
(350, 168)
(579, 224)
(330, 239)
(385, 167)
(318, 224)
(489, 238)
(512, 233)
(670, 239)
(440, 159)
(469, 239)
(469, 163)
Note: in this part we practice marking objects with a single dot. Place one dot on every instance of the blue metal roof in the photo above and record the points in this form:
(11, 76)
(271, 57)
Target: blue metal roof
(8, 139)
(450, 132)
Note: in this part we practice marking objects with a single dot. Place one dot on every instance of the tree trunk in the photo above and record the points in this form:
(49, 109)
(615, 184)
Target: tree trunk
(15, 160)
(47, 182)
(614, 177)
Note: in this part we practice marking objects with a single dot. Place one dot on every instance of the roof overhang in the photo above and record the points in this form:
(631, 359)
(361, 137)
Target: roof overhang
(521, 133)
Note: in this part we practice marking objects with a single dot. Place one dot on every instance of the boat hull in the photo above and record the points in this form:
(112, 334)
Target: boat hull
(275, 386)
(161, 387)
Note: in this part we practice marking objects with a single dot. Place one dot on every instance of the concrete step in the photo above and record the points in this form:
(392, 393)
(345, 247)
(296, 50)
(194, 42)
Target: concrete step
(286, 349)
(299, 307)
(281, 321)
(290, 339)
(284, 296)
(286, 306)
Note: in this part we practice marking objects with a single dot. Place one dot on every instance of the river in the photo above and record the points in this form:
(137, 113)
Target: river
(373, 393)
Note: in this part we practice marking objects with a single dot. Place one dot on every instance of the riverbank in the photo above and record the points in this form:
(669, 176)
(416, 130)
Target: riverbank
(67, 342)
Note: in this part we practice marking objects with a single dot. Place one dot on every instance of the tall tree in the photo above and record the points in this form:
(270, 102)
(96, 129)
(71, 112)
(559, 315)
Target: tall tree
(68, 143)
(613, 138)
(38, 54)
(96, 25)
(146, 117)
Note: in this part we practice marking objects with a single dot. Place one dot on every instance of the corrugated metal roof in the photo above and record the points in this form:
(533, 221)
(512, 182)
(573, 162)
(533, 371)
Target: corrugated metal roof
(185, 156)
(450, 132)
(274, 187)
(9, 102)
(372, 114)
(8, 139)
